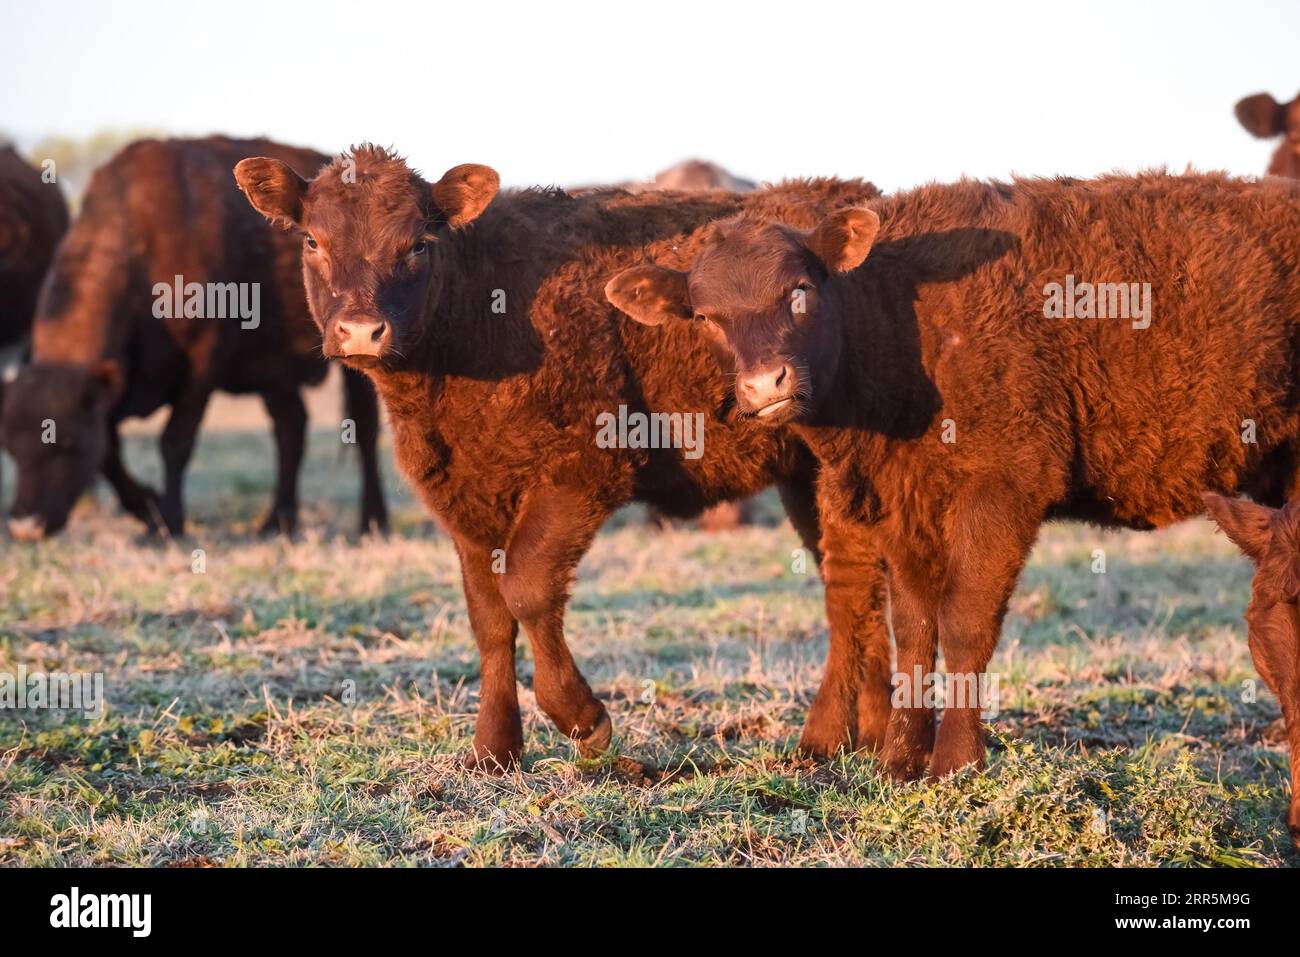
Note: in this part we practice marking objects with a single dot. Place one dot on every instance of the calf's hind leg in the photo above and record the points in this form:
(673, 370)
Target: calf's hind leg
(553, 531)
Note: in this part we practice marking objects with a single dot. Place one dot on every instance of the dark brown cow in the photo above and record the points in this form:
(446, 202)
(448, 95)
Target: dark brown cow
(33, 217)
(497, 357)
(1266, 118)
(959, 387)
(1270, 537)
(166, 289)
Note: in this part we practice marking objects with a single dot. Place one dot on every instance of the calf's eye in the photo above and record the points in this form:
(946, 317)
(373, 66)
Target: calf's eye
(419, 248)
(311, 243)
(701, 317)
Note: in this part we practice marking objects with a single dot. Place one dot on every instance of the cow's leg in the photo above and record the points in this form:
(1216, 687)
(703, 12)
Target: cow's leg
(138, 500)
(363, 408)
(992, 532)
(498, 731)
(552, 533)
(914, 599)
(852, 705)
(1275, 650)
(289, 418)
(177, 444)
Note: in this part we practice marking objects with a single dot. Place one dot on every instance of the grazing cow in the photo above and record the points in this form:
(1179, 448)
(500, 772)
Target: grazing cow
(498, 360)
(33, 217)
(1099, 350)
(1264, 117)
(166, 289)
(1270, 537)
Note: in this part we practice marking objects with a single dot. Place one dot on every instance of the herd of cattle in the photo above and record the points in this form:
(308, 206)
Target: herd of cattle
(901, 367)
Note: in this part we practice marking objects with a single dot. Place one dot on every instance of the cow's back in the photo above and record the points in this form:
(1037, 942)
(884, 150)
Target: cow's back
(1136, 419)
(163, 209)
(33, 218)
(529, 383)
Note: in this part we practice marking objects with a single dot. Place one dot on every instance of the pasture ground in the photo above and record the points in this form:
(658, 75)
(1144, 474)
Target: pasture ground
(305, 702)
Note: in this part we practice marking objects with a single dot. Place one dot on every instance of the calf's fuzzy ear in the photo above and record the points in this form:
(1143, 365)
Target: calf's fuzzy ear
(273, 189)
(464, 192)
(843, 239)
(1248, 525)
(650, 294)
(1261, 115)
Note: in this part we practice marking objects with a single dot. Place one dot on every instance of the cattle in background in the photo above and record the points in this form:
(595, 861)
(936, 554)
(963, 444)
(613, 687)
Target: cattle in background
(33, 218)
(496, 412)
(694, 175)
(1266, 118)
(166, 289)
(956, 400)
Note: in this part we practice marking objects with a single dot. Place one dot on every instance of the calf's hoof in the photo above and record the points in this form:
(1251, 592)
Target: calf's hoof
(596, 743)
(815, 743)
(484, 760)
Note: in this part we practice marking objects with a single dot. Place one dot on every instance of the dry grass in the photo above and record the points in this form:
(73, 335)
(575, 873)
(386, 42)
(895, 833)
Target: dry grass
(304, 702)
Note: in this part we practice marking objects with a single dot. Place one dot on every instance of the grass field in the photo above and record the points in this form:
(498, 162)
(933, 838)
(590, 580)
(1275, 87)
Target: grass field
(305, 702)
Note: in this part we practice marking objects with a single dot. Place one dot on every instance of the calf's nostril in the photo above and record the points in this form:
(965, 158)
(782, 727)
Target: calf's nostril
(379, 331)
(780, 376)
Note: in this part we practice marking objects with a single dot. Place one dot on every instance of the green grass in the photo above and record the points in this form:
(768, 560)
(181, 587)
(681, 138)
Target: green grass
(305, 702)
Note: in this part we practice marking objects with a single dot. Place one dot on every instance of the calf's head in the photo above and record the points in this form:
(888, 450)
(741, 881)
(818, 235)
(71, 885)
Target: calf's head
(766, 294)
(1266, 118)
(55, 425)
(372, 233)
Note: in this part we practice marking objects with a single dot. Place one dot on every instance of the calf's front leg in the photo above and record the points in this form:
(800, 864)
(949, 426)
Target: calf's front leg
(498, 732)
(1275, 650)
(993, 530)
(851, 709)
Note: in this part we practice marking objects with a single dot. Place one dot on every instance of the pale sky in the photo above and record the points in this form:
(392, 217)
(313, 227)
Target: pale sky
(899, 93)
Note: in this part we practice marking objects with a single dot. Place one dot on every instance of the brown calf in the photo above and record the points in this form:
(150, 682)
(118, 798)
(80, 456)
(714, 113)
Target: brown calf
(496, 357)
(955, 401)
(1270, 537)
(144, 306)
(1266, 118)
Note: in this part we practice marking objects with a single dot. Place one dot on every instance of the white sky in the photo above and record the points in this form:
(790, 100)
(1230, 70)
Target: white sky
(559, 92)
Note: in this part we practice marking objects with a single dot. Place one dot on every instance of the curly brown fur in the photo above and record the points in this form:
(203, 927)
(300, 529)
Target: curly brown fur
(951, 417)
(494, 413)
